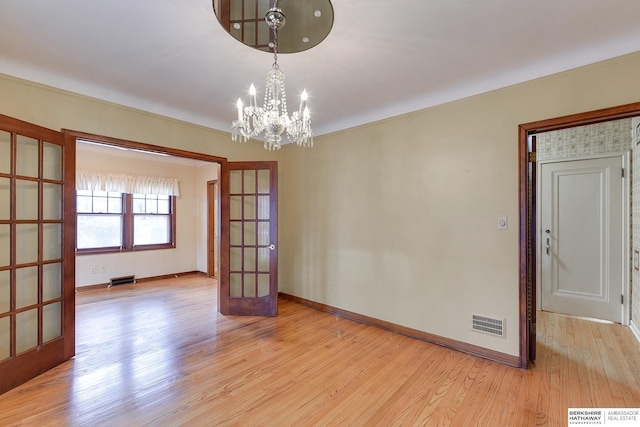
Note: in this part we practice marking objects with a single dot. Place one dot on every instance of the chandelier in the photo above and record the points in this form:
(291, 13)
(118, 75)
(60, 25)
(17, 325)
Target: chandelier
(272, 120)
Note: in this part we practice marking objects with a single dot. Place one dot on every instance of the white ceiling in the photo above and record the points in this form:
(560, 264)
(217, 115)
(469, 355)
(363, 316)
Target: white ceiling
(382, 58)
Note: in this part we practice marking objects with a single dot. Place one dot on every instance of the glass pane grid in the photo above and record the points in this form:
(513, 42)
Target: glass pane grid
(151, 204)
(98, 202)
(250, 229)
(34, 225)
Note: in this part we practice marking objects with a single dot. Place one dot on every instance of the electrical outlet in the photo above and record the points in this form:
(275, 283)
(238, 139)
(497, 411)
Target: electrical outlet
(103, 269)
(93, 270)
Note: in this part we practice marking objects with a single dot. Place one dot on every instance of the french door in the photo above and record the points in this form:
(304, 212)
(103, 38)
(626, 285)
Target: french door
(37, 241)
(249, 252)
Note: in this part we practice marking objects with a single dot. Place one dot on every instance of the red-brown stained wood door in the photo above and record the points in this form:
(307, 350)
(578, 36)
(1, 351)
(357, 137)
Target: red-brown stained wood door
(37, 240)
(249, 246)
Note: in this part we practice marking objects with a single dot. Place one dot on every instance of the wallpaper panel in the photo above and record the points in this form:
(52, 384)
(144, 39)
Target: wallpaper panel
(582, 141)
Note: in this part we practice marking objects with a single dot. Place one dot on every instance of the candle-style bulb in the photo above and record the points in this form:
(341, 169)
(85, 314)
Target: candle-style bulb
(303, 102)
(239, 105)
(252, 96)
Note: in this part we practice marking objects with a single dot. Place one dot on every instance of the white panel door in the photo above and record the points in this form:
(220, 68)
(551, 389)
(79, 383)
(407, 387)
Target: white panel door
(582, 236)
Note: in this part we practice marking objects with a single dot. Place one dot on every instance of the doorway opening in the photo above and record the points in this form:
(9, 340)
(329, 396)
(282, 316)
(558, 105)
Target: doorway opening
(528, 232)
(213, 229)
(193, 215)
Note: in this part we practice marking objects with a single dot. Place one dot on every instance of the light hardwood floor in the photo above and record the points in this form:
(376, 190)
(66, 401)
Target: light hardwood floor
(159, 354)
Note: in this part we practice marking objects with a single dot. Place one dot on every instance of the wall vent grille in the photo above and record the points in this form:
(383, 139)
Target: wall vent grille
(124, 280)
(488, 325)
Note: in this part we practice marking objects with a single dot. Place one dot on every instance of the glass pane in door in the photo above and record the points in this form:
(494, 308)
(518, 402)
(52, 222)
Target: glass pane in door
(5, 291)
(263, 181)
(26, 287)
(52, 201)
(5, 199)
(263, 285)
(263, 207)
(5, 338)
(249, 182)
(5, 245)
(51, 281)
(51, 241)
(52, 161)
(250, 233)
(26, 243)
(250, 285)
(51, 321)
(26, 330)
(235, 182)
(26, 199)
(236, 285)
(27, 156)
(5, 152)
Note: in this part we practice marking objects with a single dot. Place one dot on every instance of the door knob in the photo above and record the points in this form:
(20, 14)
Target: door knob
(272, 247)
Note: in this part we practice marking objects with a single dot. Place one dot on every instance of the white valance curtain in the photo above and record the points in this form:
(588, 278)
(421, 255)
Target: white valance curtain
(121, 183)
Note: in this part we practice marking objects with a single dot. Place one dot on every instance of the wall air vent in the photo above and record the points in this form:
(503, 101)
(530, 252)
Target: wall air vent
(124, 280)
(488, 325)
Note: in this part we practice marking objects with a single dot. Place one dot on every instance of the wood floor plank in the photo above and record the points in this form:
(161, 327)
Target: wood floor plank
(158, 354)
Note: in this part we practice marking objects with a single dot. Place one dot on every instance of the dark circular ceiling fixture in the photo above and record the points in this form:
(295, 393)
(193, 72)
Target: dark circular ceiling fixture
(308, 22)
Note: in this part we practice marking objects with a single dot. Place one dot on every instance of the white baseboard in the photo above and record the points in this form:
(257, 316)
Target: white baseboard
(635, 330)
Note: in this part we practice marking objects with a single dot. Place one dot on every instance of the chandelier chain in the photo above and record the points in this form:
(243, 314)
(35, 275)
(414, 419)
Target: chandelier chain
(275, 48)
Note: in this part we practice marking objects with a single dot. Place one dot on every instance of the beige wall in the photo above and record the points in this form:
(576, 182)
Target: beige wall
(398, 219)
(57, 109)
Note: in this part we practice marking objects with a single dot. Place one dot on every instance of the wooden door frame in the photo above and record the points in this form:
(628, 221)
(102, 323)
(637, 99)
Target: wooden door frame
(527, 224)
(213, 220)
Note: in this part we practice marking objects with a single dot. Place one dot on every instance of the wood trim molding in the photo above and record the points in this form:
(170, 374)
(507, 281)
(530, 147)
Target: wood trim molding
(471, 349)
(117, 142)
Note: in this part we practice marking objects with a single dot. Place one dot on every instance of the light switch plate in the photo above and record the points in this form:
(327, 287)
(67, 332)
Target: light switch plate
(503, 224)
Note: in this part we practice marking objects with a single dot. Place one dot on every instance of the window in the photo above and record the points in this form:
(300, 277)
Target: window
(100, 220)
(115, 222)
(151, 219)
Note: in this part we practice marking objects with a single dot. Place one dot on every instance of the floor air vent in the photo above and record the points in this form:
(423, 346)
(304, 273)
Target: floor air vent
(124, 280)
(488, 325)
